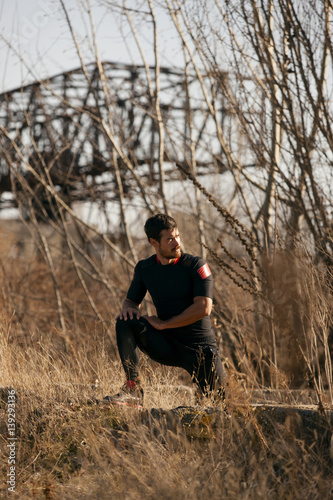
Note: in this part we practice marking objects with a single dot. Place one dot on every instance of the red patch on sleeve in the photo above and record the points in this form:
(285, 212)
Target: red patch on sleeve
(204, 271)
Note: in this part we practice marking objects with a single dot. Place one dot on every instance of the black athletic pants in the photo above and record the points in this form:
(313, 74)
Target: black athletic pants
(202, 362)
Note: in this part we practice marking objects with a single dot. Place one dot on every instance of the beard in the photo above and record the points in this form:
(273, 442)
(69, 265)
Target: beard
(171, 254)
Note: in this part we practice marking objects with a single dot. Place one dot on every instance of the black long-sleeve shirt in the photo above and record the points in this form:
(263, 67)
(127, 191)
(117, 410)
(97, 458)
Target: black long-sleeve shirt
(172, 288)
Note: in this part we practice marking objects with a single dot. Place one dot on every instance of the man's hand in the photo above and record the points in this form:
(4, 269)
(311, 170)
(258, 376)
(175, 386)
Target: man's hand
(201, 307)
(129, 310)
(155, 322)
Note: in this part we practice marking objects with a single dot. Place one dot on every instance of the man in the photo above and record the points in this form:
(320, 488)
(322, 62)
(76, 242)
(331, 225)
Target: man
(181, 287)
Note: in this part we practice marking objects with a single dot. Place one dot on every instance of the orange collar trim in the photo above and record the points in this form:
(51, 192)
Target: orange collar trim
(174, 262)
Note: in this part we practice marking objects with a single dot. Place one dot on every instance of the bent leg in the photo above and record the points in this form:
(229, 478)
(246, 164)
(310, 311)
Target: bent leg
(202, 363)
(134, 334)
(129, 333)
(209, 374)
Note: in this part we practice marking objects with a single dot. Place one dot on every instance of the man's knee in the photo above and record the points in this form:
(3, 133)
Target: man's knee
(128, 324)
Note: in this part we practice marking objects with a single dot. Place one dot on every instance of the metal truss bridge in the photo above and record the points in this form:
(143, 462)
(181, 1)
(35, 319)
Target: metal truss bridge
(88, 132)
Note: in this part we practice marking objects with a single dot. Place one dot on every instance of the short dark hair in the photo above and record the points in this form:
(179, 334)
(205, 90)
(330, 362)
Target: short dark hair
(155, 225)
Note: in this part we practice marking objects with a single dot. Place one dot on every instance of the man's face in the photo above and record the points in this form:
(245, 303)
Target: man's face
(169, 245)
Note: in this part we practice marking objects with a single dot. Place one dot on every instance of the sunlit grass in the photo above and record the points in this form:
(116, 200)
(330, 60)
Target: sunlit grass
(71, 447)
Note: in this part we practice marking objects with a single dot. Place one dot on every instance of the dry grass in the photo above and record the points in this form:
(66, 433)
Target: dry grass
(67, 448)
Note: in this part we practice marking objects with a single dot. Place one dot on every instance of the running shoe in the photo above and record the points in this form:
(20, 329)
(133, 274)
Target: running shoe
(127, 396)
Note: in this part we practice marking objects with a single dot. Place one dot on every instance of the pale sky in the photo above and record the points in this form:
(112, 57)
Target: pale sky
(42, 45)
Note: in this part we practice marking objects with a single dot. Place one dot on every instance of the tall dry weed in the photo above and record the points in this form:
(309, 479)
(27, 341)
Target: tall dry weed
(69, 447)
(281, 335)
